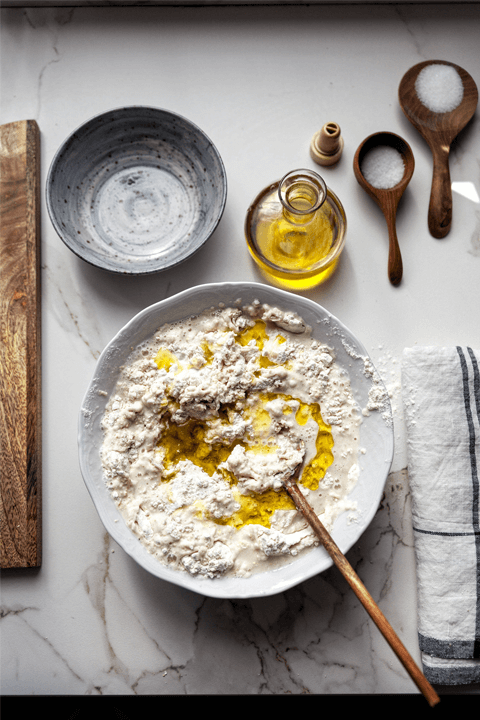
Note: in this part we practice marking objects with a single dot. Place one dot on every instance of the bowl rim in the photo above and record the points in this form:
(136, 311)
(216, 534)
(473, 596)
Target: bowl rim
(70, 138)
(282, 579)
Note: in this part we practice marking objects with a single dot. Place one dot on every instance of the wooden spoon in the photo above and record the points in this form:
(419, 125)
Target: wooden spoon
(361, 592)
(387, 199)
(439, 130)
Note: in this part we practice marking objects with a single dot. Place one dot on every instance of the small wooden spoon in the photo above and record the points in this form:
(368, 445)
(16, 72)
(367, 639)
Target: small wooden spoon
(361, 592)
(439, 130)
(387, 199)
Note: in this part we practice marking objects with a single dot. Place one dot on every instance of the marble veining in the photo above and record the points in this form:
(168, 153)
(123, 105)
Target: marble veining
(295, 642)
(260, 81)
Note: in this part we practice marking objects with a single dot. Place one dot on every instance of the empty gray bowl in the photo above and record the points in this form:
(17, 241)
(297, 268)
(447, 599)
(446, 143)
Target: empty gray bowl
(136, 190)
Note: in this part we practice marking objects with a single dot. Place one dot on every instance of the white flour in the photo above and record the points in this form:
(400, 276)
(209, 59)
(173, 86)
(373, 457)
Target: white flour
(207, 420)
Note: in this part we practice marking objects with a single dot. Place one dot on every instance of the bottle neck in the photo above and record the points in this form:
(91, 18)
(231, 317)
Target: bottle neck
(302, 193)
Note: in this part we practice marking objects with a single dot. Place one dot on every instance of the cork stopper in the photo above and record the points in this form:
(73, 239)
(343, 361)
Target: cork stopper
(327, 145)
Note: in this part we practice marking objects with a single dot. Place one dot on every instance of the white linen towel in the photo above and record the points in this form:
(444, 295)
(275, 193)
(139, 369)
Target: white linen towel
(441, 398)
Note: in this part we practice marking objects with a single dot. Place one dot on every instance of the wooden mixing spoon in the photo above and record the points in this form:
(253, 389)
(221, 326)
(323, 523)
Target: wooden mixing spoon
(439, 130)
(387, 199)
(360, 591)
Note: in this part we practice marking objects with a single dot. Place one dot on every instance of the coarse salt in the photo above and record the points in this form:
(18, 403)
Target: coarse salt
(383, 167)
(439, 87)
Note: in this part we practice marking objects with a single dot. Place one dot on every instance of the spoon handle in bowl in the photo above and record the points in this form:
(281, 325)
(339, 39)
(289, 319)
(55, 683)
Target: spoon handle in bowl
(440, 208)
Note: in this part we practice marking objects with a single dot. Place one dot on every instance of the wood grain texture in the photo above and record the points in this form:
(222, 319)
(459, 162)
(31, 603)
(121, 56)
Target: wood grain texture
(20, 348)
(439, 130)
(387, 199)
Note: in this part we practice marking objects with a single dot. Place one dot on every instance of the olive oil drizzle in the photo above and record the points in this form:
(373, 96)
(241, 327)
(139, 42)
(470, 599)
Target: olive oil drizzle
(188, 441)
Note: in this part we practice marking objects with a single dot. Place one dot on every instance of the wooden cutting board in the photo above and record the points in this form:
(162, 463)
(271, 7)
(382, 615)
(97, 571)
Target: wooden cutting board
(20, 346)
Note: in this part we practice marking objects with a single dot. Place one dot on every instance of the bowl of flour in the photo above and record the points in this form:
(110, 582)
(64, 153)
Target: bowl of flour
(201, 407)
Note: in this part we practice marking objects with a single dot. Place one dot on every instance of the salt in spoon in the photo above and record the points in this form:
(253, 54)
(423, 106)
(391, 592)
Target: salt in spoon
(387, 198)
(439, 130)
(360, 590)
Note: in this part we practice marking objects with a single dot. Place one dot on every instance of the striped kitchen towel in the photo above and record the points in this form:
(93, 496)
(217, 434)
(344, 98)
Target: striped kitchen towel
(441, 399)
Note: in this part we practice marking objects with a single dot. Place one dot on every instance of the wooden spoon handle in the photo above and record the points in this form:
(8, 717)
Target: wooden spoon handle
(395, 263)
(440, 208)
(363, 595)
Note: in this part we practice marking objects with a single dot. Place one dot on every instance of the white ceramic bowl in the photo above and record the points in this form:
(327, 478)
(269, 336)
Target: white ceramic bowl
(376, 434)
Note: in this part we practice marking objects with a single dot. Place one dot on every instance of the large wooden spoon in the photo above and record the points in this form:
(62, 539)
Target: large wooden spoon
(439, 130)
(387, 199)
(360, 591)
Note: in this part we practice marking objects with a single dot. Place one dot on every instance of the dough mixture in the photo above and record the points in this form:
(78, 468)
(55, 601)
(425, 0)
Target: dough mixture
(207, 420)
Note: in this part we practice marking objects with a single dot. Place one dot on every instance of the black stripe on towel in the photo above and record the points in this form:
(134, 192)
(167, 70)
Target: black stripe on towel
(446, 534)
(458, 675)
(476, 392)
(456, 649)
(474, 470)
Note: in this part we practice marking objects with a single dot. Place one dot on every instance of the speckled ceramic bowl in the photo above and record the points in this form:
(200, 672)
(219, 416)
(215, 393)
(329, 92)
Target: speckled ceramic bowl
(376, 435)
(136, 190)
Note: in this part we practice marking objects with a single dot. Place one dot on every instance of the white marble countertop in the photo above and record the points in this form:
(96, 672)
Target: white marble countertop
(259, 81)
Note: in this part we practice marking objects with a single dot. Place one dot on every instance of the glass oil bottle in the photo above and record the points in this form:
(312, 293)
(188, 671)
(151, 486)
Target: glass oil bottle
(295, 230)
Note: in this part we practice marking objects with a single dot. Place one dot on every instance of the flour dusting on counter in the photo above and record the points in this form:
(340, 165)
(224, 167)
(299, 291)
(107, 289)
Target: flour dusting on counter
(207, 421)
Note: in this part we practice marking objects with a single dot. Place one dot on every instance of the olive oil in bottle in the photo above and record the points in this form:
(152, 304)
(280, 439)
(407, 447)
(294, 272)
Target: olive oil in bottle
(295, 230)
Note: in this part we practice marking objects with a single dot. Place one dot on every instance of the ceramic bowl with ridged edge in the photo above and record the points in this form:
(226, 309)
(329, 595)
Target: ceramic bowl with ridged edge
(136, 190)
(376, 434)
